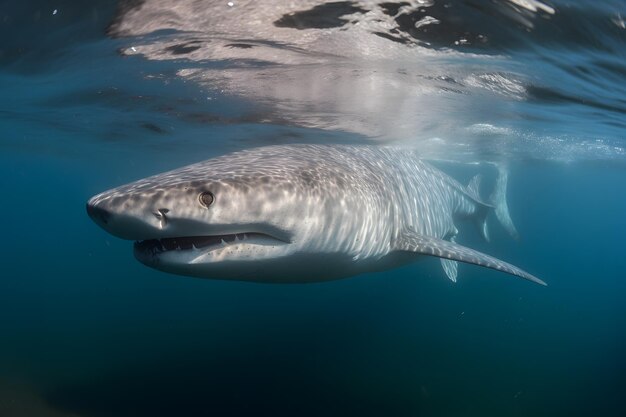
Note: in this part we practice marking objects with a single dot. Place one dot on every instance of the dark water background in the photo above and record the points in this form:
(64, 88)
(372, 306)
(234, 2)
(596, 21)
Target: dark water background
(85, 330)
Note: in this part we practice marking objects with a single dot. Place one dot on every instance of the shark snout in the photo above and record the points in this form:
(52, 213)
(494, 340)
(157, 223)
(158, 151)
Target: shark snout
(127, 222)
(98, 214)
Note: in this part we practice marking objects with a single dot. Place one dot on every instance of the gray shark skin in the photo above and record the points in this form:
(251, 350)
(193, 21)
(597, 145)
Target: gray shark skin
(300, 213)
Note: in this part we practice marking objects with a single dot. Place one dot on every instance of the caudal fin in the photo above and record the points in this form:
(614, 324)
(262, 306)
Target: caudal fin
(498, 199)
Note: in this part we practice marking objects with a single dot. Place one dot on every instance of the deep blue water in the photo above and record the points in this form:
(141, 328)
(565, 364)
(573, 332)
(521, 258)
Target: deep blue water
(85, 330)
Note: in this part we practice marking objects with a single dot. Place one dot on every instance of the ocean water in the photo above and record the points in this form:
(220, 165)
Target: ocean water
(97, 94)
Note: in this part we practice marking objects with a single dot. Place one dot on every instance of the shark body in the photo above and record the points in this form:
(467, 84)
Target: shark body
(300, 213)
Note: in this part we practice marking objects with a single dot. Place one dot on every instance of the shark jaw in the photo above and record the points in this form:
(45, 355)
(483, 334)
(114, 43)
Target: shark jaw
(195, 243)
(197, 255)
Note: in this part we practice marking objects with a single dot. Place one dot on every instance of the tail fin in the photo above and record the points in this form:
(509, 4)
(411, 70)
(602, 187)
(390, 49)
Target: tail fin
(498, 199)
(482, 211)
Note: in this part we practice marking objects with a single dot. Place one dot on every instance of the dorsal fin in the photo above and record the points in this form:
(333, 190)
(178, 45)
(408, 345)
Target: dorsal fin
(473, 188)
(426, 245)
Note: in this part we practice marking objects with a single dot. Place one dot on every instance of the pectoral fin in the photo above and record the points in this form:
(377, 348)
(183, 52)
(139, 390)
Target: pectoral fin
(426, 245)
(450, 267)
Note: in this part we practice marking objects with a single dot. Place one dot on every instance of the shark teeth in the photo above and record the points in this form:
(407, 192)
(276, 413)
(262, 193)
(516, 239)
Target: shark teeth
(196, 243)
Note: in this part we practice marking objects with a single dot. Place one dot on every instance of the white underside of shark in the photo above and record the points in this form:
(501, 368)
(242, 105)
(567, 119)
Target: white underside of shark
(301, 213)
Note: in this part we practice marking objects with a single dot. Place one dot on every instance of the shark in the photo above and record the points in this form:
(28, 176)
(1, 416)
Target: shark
(302, 213)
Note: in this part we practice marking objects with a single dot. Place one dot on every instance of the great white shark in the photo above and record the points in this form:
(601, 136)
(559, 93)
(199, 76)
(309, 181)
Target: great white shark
(301, 213)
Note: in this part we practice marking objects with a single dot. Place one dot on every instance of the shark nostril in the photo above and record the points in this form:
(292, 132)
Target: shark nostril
(160, 215)
(98, 214)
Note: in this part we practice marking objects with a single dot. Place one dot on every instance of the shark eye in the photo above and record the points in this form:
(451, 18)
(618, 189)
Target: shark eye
(206, 198)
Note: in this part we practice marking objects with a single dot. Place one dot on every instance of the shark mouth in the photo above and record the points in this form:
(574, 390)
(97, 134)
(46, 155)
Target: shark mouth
(155, 246)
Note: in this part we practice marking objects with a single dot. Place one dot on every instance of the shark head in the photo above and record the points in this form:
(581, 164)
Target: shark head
(245, 216)
(194, 226)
